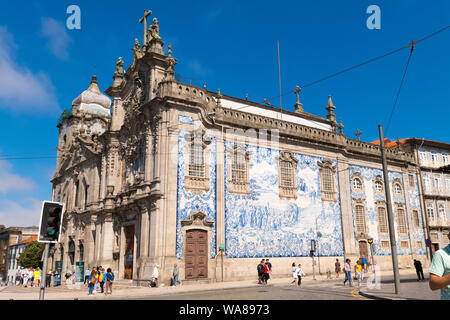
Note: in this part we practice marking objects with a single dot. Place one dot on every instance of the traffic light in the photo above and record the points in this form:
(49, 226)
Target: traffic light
(51, 218)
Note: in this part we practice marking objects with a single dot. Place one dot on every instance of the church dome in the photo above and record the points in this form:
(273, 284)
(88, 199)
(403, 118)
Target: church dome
(92, 101)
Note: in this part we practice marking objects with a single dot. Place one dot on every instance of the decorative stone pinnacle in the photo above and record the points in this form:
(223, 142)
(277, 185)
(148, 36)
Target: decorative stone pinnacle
(341, 126)
(298, 105)
(169, 50)
(94, 79)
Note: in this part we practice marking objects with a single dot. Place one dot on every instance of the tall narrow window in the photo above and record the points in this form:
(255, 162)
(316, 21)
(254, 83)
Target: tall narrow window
(360, 219)
(196, 163)
(416, 218)
(378, 186)
(287, 166)
(401, 221)
(327, 180)
(441, 211)
(382, 220)
(287, 174)
(86, 187)
(239, 166)
(240, 162)
(197, 169)
(357, 185)
(411, 180)
(430, 211)
(397, 189)
(77, 190)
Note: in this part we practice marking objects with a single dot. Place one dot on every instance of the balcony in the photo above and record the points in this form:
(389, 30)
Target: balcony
(438, 222)
(436, 192)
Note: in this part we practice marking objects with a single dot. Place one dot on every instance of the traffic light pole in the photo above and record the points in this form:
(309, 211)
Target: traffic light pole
(44, 271)
(389, 212)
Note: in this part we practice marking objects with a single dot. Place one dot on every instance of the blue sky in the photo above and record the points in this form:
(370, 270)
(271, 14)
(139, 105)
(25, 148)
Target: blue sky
(231, 45)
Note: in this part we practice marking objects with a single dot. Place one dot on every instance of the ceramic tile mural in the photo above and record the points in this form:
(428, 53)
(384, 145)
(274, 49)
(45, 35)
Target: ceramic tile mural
(185, 119)
(370, 196)
(263, 225)
(188, 202)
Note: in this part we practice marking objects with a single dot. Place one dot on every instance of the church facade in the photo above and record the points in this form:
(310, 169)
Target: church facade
(164, 172)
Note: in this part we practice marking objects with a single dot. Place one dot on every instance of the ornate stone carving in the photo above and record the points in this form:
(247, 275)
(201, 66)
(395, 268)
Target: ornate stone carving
(197, 218)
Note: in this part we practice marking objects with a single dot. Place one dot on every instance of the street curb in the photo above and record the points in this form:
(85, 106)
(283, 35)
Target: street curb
(371, 296)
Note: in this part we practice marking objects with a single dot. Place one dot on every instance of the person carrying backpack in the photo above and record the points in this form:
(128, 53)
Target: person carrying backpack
(92, 281)
(260, 269)
(109, 281)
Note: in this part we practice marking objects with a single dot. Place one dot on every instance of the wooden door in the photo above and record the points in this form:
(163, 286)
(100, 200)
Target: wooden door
(129, 252)
(196, 254)
(363, 250)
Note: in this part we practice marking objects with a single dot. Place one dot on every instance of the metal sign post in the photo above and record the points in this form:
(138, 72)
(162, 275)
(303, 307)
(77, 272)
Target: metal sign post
(311, 253)
(44, 272)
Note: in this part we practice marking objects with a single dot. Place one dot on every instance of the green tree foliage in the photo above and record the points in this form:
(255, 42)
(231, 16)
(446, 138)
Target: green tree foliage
(31, 255)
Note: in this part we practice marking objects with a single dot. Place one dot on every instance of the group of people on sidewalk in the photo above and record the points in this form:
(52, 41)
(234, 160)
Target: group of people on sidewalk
(264, 269)
(99, 279)
(32, 277)
(297, 274)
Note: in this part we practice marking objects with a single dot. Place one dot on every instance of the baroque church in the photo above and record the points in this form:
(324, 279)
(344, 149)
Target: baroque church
(161, 172)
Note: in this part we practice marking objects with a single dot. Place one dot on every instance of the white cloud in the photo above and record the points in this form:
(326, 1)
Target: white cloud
(10, 181)
(198, 68)
(13, 214)
(57, 37)
(20, 88)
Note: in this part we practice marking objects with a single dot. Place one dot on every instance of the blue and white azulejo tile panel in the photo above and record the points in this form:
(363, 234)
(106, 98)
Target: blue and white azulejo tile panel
(188, 202)
(263, 225)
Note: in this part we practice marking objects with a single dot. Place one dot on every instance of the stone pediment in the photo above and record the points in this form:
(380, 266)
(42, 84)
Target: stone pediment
(197, 218)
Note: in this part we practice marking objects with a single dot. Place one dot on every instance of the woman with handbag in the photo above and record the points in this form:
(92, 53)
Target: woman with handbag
(92, 280)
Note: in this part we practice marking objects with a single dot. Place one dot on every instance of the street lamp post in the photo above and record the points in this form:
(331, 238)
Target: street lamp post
(389, 212)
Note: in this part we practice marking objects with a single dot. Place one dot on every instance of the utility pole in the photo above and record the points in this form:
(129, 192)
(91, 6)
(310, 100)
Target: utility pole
(44, 271)
(389, 213)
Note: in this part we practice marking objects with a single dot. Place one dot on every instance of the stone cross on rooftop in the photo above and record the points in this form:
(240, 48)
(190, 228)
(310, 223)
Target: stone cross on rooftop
(358, 133)
(144, 20)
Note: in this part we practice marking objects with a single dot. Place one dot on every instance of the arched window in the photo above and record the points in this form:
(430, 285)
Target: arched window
(397, 189)
(441, 211)
(81, 248)
(378, 186)
(357, 184)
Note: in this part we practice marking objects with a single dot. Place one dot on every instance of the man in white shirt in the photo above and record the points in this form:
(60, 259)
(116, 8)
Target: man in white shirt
(440, 272)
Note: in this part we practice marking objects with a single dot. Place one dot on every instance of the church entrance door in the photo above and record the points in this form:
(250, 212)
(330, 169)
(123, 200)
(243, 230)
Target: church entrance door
(196, 254)
(129, 251)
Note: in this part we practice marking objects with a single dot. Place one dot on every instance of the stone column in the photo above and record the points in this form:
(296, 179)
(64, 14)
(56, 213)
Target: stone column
(107, 241)
(220, 200)
(346, 207)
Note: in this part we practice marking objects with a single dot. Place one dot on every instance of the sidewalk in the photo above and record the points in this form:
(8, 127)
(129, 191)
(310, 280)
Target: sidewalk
(121, 292)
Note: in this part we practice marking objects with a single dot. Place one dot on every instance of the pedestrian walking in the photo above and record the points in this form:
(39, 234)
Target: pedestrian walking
(109, 281)
(364, 266)
(440, 271)
(48, 279)
(101, 279)
(269, 265)
(86, 276)
(97, 280)
(294, 274)
(419, 270)
(337, 268)
(175, 275)
(37, 277)
(358, 272)
(300, 273)
(92, 281)
(348, 272)
(56, 280)
(260, 269)
(17, 279)
(30, 279)
(265, 276)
